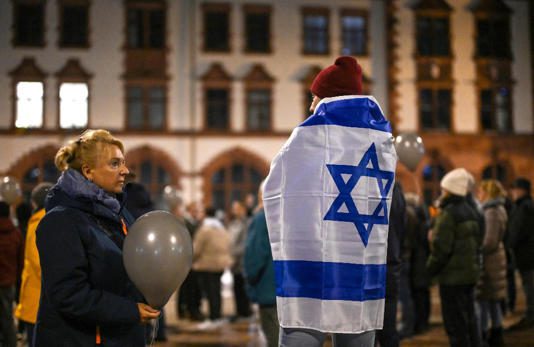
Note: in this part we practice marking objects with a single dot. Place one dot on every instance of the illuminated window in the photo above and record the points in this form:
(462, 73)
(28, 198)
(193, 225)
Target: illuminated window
(29, 105)
(73, 105)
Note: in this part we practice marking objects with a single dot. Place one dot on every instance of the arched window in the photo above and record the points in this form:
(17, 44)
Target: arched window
(43, 171)
(35, 167)
(231, 177)
(154, 169)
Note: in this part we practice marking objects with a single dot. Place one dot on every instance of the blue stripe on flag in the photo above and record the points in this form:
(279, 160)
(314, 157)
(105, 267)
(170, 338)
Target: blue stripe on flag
(354, 113)
(330, 281)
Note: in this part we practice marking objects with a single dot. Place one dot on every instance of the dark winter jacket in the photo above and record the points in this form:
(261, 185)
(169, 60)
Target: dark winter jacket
(11, 253)
(85, 287)
(397, 222)
(416, 248)
(454, 252)
(521, 233)
(258, 261)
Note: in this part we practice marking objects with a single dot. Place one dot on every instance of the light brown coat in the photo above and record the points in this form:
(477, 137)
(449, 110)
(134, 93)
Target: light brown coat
(211, 249)
(492, 284)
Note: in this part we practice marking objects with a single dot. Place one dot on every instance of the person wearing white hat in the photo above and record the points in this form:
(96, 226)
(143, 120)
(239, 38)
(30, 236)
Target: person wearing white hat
(454, 261)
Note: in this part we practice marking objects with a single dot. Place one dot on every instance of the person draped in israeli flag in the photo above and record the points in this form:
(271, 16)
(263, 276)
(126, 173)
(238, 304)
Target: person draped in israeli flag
(327, 200)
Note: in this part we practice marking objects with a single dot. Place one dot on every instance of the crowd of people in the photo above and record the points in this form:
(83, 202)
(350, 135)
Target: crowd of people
(468, 243)
(63, 267)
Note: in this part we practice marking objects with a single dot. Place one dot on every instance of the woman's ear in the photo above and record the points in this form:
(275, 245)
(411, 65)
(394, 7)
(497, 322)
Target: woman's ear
(87, 172)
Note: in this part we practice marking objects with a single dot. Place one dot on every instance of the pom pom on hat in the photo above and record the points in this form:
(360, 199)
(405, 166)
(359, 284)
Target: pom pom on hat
(458, 182)
(342, 78)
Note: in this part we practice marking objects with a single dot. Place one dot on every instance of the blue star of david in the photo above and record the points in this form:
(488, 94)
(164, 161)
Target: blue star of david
(368, 167)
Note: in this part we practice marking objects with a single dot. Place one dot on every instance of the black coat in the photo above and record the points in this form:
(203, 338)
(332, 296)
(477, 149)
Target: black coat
(84, 282)
(520, 236)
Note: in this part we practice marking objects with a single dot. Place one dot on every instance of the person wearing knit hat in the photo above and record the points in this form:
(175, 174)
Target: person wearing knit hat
(30, 289)
(360, 130)
(454, 259)
(342, 78)
(458, 182)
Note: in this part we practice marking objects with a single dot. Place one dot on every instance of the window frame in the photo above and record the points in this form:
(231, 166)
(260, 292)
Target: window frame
(315, 11)
(61, 15)
(73, 72)
(146, 6)
(258, 79)
(137, 156)
(354, 12)
(146, 86)
(216, 77)
(435, 88)
(27, 71)
(15, 41)
(257, 9)
(222, 7)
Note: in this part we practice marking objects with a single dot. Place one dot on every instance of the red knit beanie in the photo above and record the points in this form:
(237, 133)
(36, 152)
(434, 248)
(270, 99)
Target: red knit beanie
(342, 78)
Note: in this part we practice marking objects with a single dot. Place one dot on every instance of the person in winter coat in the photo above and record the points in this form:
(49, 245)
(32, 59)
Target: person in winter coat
(211, 256)
(492, 284)
(388, 336)
(454, 260)
(11, 262)
(87, 298)
(30, 290)
(259, 273)
(415, 255)
(521, 241)
(238, 234)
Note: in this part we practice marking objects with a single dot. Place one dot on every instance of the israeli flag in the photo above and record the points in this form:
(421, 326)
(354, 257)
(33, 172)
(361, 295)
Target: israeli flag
(327, 200)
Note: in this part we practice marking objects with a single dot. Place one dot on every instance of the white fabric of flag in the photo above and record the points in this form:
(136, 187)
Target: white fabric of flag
(327, 201)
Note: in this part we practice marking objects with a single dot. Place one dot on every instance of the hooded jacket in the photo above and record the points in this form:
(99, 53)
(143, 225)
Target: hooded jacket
(85, 289)
(30, 289)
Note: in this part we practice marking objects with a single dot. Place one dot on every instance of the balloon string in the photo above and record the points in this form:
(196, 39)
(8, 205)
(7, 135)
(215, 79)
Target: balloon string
(154, 332)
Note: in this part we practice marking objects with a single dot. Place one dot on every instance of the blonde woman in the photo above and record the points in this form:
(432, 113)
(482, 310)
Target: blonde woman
(492, 284)
(87, 298)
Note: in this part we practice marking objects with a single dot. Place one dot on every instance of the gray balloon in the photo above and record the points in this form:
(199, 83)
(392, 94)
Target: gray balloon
(172, 196)
(410, 149)
(10, 190)
(157, 255)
